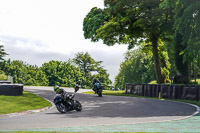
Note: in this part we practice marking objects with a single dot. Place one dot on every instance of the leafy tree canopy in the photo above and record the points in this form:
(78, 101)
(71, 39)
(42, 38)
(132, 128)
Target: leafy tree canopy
(52, 73)
(130, 22)
(137, 68)
(187, 23)
(2, 53)
(86, 62)
(88, 65)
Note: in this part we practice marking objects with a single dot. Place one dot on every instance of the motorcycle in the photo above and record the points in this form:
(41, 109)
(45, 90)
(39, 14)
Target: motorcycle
(66, 104)
(97, 89)
(76, 88)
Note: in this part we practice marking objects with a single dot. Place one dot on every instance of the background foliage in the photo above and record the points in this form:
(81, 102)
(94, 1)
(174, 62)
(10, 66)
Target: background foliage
(162, 37)
(52, 73)
(171, 29)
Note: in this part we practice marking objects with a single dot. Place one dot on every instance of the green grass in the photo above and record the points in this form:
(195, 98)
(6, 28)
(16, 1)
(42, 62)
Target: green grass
(122, 93)
(187, 101)
(108, 92)
(114, 93)
(153, 82)
(197, 80)
(58, 132)
(28, 101)
(192, 82)
(34, 132)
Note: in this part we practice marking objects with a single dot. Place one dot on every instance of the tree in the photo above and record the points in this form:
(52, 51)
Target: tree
(24, 73)
(85, 62)
(88, 65)
(137, 68)
(61, 73)
(103, 77)
(187, 26)
(35, 76)
(2, 53)
(130, 22)
(187, 23)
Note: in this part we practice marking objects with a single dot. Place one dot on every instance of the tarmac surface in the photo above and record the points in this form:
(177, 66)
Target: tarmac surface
(106, 114)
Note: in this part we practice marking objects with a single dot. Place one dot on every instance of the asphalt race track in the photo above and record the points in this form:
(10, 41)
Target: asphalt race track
(106, 110)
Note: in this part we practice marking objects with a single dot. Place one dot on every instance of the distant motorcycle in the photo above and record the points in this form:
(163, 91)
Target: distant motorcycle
(66, 103)
(77, 87)
(97, 89)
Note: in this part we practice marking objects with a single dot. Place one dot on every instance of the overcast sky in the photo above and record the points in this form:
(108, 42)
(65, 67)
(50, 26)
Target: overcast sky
(37, 31)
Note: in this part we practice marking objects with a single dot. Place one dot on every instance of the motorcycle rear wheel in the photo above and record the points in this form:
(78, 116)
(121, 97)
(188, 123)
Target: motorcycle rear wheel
(76, 89)
(61, 107)
(77, 106)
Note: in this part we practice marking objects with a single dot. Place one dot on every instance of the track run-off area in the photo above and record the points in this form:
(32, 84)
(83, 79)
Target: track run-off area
(98, 114)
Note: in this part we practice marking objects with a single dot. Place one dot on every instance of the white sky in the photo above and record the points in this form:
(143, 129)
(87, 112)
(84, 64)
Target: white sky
(37, 31)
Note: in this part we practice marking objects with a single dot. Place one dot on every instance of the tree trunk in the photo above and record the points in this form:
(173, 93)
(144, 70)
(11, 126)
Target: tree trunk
(157, 66)
(182, 67)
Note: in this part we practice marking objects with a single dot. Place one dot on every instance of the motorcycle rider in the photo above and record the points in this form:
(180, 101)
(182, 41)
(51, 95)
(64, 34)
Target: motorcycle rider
(61, 91)
(78, 82)
(64, 101)
(77, 86)
(94, 82)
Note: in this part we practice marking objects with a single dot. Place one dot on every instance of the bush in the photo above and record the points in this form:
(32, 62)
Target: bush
(3, 77)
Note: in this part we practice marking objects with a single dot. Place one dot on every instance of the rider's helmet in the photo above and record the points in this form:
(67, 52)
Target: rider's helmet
(56, 88)
(95, 79)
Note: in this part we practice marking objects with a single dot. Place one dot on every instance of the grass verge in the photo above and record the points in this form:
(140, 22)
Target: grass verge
(192, 82)
(28, 101)
(57, 132)
(122, 93)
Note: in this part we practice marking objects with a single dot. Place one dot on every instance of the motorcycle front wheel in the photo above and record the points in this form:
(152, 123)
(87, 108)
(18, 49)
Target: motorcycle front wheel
(61, 107)
(77, 105)
(100, 93)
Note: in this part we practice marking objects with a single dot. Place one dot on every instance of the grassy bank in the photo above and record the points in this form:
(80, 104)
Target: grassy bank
(192, 82)
(122, 93)
(28, 101)
(108, 92)
(57, 132)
